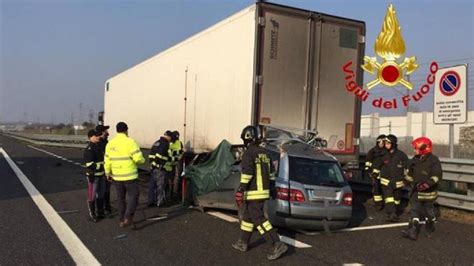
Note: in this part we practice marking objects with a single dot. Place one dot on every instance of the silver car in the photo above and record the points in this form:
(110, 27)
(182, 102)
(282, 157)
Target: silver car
(310, 191)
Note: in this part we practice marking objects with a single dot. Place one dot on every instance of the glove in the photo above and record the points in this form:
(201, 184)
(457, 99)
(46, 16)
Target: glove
(239, 197)
(374, 175)
(91, 178)
(422, 186)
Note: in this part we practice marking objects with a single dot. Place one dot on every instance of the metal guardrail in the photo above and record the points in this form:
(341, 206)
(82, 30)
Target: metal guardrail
(461, 171)
(49, 140)
(454, 170)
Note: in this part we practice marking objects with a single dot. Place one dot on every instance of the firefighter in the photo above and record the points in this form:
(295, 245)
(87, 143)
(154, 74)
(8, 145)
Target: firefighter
(94, 163)
(372, 167)
(253, 191)
(103, 143)
(392, 175)
(176, 154)
(424, 173)
(160, 170)
(122, 155)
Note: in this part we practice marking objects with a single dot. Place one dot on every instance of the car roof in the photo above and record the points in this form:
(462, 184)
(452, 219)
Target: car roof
(302, 150)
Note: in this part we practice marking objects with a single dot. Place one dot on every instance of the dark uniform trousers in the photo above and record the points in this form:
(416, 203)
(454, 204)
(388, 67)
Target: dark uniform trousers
(393, 196)
(421, 210)
(424, 169)
(392, 174)
(95, 190)
(372, 167)
(253, 218)
(257, 174)
(107, 184)
(128, 189)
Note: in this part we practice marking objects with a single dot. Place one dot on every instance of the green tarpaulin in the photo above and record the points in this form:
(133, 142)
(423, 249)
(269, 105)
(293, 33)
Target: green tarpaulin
(207, 176)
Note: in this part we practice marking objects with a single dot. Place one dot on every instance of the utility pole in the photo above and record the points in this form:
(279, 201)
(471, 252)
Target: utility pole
(91, 115)
(79, 122)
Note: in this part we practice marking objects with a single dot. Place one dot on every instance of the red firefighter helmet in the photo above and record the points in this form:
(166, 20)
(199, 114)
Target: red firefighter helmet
(422, 145)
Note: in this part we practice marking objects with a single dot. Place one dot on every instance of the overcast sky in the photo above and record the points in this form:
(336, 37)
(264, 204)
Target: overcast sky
(55, 55)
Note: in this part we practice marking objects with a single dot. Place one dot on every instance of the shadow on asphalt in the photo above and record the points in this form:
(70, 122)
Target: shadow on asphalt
(170, 214)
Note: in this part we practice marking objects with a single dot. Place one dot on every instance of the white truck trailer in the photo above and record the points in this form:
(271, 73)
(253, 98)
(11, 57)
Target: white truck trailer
(265, 64)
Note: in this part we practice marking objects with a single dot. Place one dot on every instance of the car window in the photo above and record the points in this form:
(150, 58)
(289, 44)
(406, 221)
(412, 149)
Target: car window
(275, 157)
(312, 172)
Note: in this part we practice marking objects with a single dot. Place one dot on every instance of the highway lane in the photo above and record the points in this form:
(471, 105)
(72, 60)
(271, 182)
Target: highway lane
(186, 236)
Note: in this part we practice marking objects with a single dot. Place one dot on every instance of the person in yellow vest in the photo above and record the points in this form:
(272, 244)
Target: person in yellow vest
(122, 155)
(176, 154)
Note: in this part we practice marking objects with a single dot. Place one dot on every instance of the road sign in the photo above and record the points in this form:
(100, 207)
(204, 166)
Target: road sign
(450, 98)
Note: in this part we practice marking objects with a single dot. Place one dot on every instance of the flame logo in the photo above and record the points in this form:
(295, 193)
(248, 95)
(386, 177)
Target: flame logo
(390, 46)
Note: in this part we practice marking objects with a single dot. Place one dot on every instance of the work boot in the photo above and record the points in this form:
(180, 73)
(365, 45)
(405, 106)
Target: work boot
(279, 248)
(378, 206)
(100, 209)
(429, 227)
(412, 231)
(240, 245)
(129, 222)
(92, 215)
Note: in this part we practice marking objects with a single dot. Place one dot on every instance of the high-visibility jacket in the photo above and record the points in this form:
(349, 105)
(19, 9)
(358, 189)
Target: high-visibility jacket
(257, 173)
(425, 168)
(94, 159)
(175, 151)
(122, 155)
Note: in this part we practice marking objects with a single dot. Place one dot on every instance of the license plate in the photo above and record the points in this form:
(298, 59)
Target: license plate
(321, 194)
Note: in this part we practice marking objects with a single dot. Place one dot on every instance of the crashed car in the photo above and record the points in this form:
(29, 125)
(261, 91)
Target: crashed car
(310, 190)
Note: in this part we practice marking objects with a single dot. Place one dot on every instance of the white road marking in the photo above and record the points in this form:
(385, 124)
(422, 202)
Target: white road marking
(285, 239)
(55, 155)
(293, 242)
(224, 217)
(352, 264)
(78, 251)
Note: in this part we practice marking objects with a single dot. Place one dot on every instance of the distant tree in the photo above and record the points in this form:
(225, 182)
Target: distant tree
(88, 125)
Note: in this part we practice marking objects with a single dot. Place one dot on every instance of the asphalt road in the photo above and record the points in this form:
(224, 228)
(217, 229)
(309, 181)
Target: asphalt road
(186, 236)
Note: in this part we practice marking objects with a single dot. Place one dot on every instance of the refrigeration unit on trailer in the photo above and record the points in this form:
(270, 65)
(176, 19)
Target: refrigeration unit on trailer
(267, 64)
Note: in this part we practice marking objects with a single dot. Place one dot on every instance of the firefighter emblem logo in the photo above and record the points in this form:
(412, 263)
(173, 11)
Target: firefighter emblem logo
(390, 46)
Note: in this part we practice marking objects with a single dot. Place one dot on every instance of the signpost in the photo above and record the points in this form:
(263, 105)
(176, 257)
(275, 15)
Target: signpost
(450, 99)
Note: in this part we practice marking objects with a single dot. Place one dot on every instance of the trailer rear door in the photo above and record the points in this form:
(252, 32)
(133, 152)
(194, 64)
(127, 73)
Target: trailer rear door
(284, 56)
(335, 112)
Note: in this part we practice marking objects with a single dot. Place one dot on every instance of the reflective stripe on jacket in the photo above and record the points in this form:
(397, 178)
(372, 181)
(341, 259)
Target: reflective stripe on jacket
(122, 155)
(94, 159)
(425, 169)
(257, 172)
